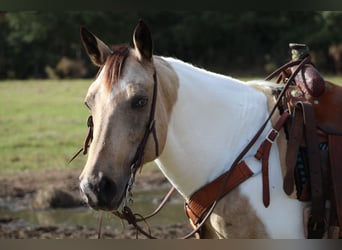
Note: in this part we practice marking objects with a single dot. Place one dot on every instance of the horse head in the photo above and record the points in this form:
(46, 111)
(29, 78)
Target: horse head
(122, 102)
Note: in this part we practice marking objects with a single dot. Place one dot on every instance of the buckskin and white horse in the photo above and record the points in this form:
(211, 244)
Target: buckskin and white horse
(193, 123)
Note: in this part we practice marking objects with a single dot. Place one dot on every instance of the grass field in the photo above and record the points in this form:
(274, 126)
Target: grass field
(43, 123)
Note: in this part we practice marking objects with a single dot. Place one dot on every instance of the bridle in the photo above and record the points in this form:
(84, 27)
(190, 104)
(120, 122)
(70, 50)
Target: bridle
(138, 157)
(150, 128)
(136, 163)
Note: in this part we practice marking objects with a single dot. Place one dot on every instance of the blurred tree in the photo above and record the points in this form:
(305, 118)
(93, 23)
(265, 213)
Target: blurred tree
(249, 42)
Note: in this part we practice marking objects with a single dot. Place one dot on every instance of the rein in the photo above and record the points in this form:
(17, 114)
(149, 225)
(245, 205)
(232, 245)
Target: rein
(87, 140)
(133, 218)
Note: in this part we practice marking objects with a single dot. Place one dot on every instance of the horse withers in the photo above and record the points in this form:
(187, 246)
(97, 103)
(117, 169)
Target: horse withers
(193, 123)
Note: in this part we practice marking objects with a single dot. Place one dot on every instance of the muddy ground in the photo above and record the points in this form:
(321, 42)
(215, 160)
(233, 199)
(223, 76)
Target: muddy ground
(59, 188)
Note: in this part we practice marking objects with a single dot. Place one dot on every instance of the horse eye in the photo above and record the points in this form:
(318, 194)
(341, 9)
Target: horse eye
(139, 102)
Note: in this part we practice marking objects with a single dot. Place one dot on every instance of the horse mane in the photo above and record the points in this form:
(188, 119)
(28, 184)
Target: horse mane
(114, 65)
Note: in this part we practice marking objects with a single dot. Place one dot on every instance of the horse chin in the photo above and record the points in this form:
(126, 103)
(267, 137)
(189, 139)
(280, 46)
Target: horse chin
(113, 207)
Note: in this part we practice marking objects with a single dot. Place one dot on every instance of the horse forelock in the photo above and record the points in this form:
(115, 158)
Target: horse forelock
(113, 66)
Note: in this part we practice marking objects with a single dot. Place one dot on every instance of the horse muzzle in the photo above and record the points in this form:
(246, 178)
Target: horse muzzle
(100, 193)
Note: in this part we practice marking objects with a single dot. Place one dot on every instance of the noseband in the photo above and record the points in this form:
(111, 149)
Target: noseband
(138, 158)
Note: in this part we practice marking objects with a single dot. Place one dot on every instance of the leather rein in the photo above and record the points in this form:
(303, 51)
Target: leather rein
(126, 212)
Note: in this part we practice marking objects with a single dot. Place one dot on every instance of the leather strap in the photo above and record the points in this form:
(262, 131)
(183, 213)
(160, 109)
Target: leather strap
(316, 221)
(87, 140)
(263, 154)
(203, 199)
(335, 153)
(139, 155)
(296, 136)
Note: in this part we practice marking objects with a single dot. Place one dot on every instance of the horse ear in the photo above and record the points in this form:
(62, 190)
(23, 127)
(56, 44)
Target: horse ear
(142, 40)
(97, 50)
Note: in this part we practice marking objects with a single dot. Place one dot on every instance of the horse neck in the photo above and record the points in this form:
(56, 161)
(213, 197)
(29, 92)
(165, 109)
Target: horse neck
(213, 118)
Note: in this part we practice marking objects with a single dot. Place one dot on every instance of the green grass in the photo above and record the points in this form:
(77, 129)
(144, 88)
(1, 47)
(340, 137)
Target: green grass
(42, 123)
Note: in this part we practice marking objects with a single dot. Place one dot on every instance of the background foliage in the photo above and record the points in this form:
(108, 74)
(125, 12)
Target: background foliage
(47, 44)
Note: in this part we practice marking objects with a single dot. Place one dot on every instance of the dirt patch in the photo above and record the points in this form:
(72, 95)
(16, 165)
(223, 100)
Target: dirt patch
(27, 189)
(82, 232)
(23, 183)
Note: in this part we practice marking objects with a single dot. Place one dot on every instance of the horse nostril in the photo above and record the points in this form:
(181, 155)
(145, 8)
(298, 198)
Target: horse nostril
(87, 193)
(106, 191)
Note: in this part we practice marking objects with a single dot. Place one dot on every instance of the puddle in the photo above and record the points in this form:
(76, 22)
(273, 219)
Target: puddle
(144, 203)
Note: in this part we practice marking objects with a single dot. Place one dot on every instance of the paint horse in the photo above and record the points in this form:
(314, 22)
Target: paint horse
(193, 123)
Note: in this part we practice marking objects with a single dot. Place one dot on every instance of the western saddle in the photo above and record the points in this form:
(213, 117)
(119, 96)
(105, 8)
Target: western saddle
(314, 150)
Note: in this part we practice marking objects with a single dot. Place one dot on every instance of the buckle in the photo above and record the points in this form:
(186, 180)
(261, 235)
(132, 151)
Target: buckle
(272, 134)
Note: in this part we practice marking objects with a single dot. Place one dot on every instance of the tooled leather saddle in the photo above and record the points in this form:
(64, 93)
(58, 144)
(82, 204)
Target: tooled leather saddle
(314, 150)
